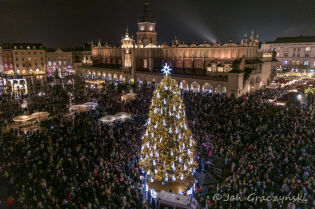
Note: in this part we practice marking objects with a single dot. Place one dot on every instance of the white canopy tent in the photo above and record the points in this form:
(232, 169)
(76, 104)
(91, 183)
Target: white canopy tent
(107, 119)
(128, 97)
(111, 118)
(22, 119)
(40, 115)
(90, 105)
(122, 116)
(78, 108)
(176, 200)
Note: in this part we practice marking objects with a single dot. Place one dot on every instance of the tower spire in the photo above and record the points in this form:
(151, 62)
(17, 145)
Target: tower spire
(146, 17)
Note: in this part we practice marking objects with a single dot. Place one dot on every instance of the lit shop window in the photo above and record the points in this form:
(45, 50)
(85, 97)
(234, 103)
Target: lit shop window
(307, 49)
(306, 62)
(285, 62)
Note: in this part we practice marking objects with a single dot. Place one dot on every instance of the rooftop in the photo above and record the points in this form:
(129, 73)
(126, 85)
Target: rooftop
(296, 39)
(22, 46)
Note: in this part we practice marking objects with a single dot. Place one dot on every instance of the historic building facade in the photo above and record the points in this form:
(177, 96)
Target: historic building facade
(294, 54)
(59, 61)
(7, 61)
(28, 58)
(199, 67)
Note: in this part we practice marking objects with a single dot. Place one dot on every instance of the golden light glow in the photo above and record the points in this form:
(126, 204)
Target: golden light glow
(167, 148)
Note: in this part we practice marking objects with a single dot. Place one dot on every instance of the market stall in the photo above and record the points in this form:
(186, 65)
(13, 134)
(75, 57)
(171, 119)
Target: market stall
(22, 119)
(78, 108)
(90, 105)
(40, 116)
(107, 119)
(122, 116)
(128, 97)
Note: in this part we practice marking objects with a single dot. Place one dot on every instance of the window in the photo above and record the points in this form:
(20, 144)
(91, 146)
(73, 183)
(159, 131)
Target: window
(49, 63)
(42, 64)
(299, 49)
(285, 62)
(198, 65)
(17, 65)
(306, 62)
(314, 63)
(145, 63)
(286, 54)
(35, 53)
(15, 52)
(220, 69)
(307, 54)
(16, 59)
(298, 55)
(22, 58)
(179, 63)
(294, 49)
(293, 54)
(59, 62)
(188, 64)
(307, 49)
(278, 54)
(23, 65)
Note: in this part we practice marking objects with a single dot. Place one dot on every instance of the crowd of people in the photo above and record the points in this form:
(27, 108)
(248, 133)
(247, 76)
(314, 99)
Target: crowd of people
(267, 148)
(79, 163)
(82, 163)
(41, 96)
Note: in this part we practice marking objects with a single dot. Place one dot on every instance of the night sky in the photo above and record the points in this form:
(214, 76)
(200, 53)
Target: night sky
(65, 23)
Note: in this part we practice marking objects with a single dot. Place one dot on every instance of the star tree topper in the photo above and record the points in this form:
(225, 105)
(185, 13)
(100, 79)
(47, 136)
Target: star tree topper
(166, 70)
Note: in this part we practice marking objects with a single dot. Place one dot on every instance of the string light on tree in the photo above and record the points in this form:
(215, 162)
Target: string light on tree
(168, 135)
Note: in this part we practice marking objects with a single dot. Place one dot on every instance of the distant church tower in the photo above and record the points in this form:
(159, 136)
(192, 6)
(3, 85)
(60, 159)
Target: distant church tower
(146, 28)
(128, 56)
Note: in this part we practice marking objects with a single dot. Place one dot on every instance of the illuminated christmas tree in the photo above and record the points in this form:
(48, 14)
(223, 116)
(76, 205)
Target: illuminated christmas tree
(168, 147)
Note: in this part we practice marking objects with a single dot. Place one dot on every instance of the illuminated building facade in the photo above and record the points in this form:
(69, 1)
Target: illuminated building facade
(59, 61)
(28, 58)
(294, 54)
(7, 60)
(211, 62)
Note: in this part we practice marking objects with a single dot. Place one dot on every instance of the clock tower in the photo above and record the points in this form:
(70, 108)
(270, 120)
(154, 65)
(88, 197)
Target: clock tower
(146, 34)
